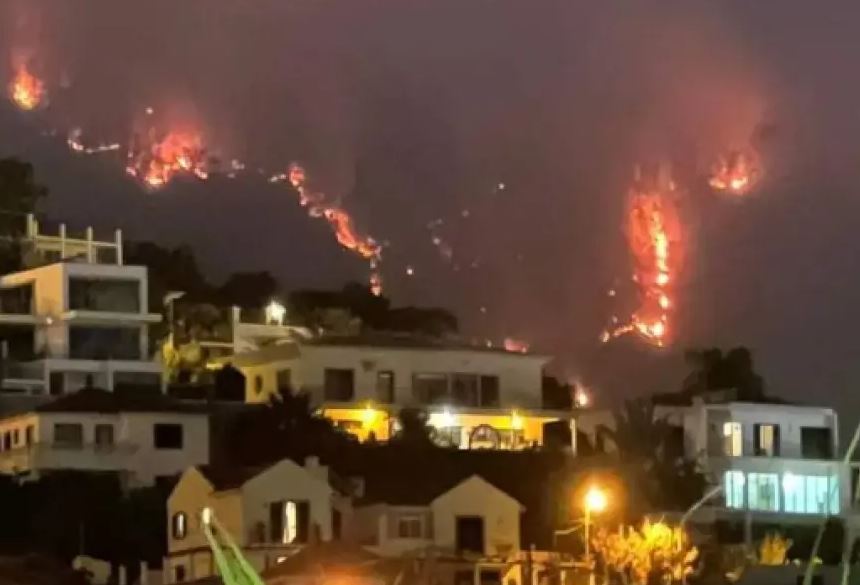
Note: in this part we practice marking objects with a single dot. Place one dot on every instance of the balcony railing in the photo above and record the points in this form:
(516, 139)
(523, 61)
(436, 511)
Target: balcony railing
(80, 456)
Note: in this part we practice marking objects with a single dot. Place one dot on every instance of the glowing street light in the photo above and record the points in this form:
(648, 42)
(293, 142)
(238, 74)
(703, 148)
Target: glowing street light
(275, 313)
(595, 502)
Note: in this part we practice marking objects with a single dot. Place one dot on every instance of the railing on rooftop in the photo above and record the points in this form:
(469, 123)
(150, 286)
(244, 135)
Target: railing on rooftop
(63, 245)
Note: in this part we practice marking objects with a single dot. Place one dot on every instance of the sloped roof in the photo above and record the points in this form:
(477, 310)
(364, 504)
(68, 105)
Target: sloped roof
(227, 478)
(96, 400)
(409, 491)
(409, 341)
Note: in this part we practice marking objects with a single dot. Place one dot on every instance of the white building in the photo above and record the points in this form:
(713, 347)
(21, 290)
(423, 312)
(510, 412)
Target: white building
(86, 314)
(270, 512)
(475, 396)
(143, 436)
(771, 459)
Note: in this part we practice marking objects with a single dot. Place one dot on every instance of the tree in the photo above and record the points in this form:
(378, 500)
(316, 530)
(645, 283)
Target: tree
(713, 370)
(415, 431)
(646, 446)
(19, 193)
(248, 289)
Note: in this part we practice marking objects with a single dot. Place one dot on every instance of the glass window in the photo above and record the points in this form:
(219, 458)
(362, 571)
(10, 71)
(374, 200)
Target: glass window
(811, 494)
(430, 388)
(179, 525)
(68, 434)
(102, 343)
(120, 296)
(816, 443)
(339, 384)
(732, 439)
(104, 435)
(733, 485)
(464, 389)
(289, 521)
(167, 436)
(385, 386)
(409, 527)
(28, 435)
(489, 391)
(17, 300)
(763, 492)
(766, 440)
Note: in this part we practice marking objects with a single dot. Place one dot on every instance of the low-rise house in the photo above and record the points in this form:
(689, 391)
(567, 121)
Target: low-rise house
(271, 512)
(140, 434)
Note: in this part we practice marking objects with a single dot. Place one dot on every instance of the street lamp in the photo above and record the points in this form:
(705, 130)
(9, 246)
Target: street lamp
(595, 502)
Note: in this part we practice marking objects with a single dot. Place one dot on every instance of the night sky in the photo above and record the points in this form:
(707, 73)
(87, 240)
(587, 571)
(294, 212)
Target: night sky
(515, 123)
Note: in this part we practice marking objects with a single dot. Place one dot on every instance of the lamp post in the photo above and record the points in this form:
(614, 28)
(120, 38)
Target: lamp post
(595, 502)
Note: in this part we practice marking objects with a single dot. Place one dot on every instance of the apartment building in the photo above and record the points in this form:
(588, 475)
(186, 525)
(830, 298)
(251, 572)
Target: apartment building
(77, 313)
(476, 397)
(140, 434)
(772, 460)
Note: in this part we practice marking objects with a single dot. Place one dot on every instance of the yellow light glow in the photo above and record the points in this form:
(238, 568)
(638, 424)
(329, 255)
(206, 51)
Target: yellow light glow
(275, 313)
(595, 500)
(443, 419)
(516, 421)
(206, 516)
(368, 416)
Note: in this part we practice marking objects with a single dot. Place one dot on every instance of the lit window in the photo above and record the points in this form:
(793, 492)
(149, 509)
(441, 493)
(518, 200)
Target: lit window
(179, 525)
(733, 484)
(811, 494)
(763, 491)
(732, 439)
(766, 440)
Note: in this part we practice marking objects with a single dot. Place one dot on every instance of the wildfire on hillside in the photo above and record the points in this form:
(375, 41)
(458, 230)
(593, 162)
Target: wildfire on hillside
(654, 238)
(156, 161)
(515, 345)
(340, 221)
(26, 90)
(735, 173)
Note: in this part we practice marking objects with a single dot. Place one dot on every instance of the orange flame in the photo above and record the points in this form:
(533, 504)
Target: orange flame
(515, 345)
(735, 174)
(341, 222)
(158, 162)
(654, 237)
(26, 90)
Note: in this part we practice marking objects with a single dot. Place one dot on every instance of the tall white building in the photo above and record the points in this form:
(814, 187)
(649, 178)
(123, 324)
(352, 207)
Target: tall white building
(78, 312)
(771, 460)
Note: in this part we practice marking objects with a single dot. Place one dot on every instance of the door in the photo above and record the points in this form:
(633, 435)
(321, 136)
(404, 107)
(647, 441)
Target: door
(470, 534)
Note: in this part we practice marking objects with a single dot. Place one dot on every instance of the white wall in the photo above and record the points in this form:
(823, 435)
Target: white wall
(133, 452)
(520, 376)
(476, 497)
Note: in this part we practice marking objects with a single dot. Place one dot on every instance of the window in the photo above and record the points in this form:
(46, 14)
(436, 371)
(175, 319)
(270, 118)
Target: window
(258, 384)
(289, 521)
(16, 437)
(464, 389)
(430, 388)
(489, 391)
(28, 435)
(68, 434)
(810, 494)
(733, 486)
(409, 527)
(179, 525)
(766, 440)
(56, 383)
(7, 440)
(732, 439)
(179, 573)
(167, 436)
(339, 384)
(285, 380)
(17, 300)
(763, 491)
(101, 343)
(816, 443)
(470, 534)
(448, 436)
(385, 386)
(104, 435)
(121, 296)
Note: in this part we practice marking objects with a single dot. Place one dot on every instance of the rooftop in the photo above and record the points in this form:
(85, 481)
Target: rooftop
(96, 400)
(408, 341)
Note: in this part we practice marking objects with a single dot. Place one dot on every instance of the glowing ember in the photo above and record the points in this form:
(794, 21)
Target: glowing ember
(341, 222)
(75, 143)
(515, 345)
(735, 174)
(26, 90)
(654, 237)
(159, 161)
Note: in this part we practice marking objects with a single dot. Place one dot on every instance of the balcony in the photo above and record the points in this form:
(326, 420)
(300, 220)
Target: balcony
(81, 457)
